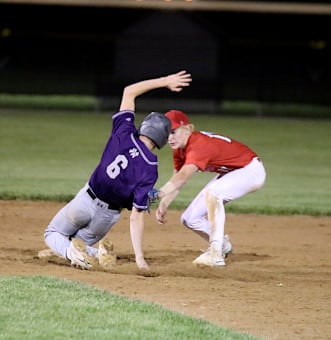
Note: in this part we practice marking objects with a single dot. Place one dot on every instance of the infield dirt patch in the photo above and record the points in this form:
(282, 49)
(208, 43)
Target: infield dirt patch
(277, 282)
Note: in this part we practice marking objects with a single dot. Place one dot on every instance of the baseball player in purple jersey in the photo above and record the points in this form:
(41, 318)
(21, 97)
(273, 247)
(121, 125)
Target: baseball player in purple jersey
(127, 171)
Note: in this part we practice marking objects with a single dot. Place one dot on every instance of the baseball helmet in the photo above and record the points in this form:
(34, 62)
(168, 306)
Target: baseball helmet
(157, 127)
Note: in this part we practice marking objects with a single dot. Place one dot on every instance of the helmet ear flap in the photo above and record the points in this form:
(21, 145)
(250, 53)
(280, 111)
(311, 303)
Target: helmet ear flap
(157, 127)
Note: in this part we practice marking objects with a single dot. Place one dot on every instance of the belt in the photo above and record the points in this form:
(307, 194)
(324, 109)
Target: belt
(111, 206)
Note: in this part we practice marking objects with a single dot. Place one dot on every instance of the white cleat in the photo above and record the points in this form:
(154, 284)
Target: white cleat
(210, 258)
(227, 246)
(76, 253)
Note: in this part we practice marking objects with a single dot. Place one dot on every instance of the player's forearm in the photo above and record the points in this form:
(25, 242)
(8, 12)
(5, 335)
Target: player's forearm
(175, 183)
(136, 232)
(174, 82)
(167, 189)
(166, 200)
(141, 87)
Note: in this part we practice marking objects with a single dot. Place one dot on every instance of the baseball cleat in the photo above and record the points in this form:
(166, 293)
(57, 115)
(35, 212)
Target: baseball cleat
(45, 253)
(107, 258)
(210, 258)
(227, 246)
(76, 253)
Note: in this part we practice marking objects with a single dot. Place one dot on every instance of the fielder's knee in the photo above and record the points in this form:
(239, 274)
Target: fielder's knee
(196, 227)
(197, 224)
(183, 221)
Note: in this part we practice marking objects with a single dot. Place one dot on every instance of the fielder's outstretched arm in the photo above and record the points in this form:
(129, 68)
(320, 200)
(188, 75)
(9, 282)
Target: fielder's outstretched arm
(171, 189)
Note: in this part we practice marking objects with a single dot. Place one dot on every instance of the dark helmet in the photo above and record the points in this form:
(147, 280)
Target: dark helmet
(157, 127)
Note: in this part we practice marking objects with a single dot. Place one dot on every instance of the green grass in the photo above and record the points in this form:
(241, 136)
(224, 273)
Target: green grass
(49, 155)
(49, 102)
(249, 108)
(37, 307)
(93, 103)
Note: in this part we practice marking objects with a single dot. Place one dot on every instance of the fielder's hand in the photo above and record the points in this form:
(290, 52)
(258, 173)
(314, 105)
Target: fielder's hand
(176, 81)
(160, 215)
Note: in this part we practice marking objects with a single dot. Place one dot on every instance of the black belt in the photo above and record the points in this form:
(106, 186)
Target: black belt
(111, 206)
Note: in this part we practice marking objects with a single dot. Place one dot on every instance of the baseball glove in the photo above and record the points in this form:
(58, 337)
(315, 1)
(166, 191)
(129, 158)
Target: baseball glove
(153, 196)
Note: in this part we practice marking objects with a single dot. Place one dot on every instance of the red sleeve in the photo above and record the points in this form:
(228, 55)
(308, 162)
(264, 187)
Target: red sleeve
(195, 153)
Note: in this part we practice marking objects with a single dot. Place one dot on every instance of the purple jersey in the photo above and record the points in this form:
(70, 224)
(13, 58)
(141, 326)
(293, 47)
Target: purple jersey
(127, 169)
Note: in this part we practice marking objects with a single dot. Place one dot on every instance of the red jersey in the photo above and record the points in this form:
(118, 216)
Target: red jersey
(212, 152)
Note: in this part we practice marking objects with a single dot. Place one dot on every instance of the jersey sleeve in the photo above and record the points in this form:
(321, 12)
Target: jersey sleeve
(123, 121)
(140, 200)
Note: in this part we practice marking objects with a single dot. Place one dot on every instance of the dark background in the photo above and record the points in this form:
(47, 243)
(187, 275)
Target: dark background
(231, 55)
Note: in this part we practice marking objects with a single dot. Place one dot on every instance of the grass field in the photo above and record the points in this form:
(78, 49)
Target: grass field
(50, 154)
(44, 308)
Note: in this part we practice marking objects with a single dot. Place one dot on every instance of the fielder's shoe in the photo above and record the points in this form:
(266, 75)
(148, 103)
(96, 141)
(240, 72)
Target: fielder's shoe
(76, 253)
(210, 258)
(107, 258)
(227, 246)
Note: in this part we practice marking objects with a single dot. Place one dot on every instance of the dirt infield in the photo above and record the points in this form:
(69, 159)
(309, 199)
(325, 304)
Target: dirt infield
(277, 283)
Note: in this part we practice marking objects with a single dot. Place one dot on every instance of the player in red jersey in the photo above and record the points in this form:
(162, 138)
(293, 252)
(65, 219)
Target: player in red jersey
(238, 169)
